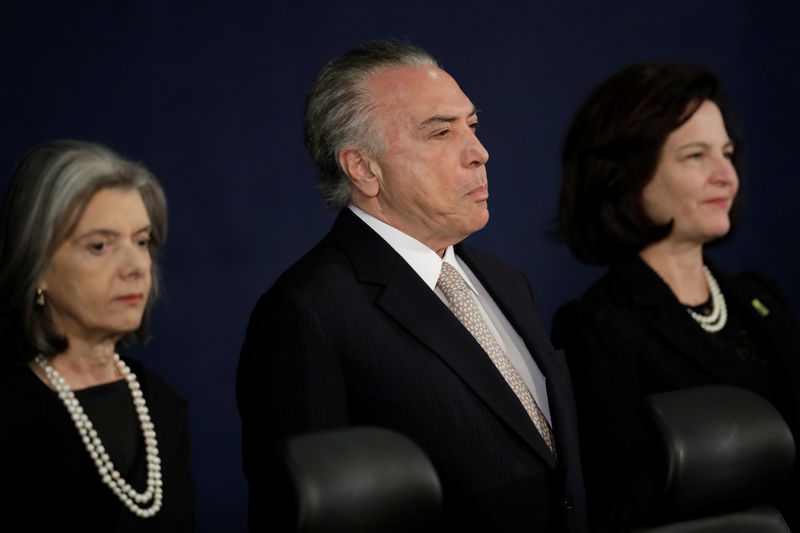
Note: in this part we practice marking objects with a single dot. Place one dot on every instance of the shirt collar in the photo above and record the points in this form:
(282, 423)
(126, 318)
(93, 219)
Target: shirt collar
(424, 261)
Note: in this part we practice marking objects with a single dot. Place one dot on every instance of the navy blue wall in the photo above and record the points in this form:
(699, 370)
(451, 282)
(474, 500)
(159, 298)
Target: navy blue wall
(210, 97)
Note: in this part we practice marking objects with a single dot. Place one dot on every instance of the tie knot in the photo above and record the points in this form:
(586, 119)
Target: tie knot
(450, 280)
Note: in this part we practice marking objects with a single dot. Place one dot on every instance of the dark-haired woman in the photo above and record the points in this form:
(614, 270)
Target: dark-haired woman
(89, 441)
(650, 176)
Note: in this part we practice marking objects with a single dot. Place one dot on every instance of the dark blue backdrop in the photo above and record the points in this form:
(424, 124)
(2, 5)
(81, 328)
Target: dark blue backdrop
(209, 96)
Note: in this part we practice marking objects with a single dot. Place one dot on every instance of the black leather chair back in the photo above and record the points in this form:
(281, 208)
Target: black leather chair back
(361, 479)
(725, 447)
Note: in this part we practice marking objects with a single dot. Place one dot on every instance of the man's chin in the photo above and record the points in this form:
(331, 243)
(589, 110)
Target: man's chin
(484, 215)
(479, 220)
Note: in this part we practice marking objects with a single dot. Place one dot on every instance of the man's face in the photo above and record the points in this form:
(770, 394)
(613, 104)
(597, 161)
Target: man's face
(432, 175)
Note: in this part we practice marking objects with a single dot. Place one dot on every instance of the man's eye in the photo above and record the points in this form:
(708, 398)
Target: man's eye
(442, 133)
(474, 126)
(143, 242)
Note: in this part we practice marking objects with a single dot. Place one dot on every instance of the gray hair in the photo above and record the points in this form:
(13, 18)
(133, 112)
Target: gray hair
(339, 108)
(47, 195)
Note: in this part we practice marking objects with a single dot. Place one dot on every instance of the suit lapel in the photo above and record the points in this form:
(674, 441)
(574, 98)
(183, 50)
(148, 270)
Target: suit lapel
(409, 301)
(514, 299)
(512, 295)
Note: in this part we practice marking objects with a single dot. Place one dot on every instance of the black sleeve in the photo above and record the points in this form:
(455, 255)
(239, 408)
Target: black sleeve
(289, 381)
(616, 447)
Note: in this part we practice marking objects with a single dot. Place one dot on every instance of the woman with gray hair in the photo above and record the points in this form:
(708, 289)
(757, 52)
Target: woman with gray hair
(95, 440)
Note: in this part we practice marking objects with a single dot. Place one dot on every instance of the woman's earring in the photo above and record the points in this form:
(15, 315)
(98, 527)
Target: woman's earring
(39, 297)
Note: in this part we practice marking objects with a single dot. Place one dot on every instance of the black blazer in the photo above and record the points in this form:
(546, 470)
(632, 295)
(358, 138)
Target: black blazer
(350, 335)
(628, 337)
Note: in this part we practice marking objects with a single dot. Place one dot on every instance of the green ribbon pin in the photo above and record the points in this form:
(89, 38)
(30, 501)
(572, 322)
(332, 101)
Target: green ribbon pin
(761, 308)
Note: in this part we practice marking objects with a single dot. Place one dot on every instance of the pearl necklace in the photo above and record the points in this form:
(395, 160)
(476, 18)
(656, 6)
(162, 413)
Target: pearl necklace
(719, 310)
(94, 446)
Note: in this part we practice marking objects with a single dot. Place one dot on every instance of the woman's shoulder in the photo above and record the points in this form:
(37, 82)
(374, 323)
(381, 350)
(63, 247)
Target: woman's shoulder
(610, 295)
(153, 385)
(752, 280)
(18, 381)
(594, 314)
(612, 313)
(27, 411)
(761, 292)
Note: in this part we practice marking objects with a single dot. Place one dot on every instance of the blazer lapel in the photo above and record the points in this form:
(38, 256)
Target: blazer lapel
(775, 332)
(409, 301)
(669, 319)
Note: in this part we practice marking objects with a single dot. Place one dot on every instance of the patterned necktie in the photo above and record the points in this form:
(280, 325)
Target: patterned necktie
(463, 306)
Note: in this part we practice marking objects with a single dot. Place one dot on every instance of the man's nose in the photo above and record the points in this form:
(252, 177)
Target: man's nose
(477, 155)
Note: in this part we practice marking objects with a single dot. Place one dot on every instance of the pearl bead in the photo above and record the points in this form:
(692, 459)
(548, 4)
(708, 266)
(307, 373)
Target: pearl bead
(719, 310)
(105, 467)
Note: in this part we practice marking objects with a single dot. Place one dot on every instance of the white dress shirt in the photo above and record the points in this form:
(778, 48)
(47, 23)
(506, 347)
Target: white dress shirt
(428, 265)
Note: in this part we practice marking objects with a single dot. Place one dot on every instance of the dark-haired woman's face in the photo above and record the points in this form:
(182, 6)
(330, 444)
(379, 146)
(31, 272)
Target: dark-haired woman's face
(695, 181)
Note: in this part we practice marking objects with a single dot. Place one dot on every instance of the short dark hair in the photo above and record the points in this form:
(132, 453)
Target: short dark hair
(338, 110)
(48, 193)
(611, 152)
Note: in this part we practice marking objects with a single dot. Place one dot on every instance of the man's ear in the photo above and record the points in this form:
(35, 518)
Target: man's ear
(364, 173)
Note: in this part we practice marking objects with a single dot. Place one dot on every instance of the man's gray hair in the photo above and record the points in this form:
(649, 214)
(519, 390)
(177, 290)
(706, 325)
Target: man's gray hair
(47, 195)
(339, 108)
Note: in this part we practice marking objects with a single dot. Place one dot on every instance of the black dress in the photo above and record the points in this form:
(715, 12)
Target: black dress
(629, 336)
(48, 478)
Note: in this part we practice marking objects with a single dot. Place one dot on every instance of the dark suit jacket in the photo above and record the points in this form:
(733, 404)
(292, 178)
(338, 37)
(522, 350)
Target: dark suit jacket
(628, 337)
(350, 335)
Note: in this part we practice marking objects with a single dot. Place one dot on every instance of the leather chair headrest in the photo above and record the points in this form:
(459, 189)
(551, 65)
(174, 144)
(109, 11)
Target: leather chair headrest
(361, 479)
(724, 445)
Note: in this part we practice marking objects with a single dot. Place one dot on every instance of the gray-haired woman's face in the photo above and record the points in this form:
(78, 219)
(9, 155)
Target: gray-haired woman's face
(99, 278)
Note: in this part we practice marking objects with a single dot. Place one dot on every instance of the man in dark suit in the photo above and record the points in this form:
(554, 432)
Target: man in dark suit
(365, 329)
